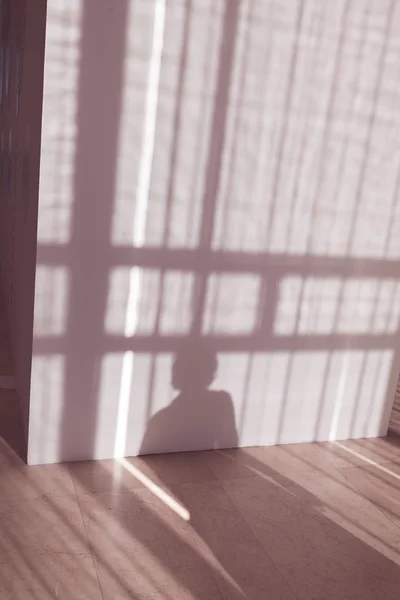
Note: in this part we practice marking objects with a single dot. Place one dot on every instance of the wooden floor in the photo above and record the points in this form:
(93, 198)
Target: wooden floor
(300, 522)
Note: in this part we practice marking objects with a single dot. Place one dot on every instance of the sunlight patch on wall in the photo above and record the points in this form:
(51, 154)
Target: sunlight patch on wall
(117, 300)
(177, 303)
(181, 123)
(51, 297)
(59, 129)
(151, 386)
(311, 162)
(111, 391)
(107, 410)
(137, 121)
(135, 392)
(164, 305)
(46, 408)
(156, 393)
(370, 306)
(353, 306)
(262, 396)
(232, 304)
(301, 396)
(361, 399)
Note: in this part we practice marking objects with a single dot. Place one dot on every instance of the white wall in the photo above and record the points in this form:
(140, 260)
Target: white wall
(217, 170)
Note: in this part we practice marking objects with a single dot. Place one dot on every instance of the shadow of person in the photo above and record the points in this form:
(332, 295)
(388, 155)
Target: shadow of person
(198, 418)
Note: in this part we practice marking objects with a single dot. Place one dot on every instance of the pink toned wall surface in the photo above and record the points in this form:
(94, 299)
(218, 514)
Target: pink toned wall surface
(22, 59)
(219, 182)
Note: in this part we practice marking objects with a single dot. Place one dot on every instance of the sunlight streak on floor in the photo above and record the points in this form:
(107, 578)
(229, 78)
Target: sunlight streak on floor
(168, 500)
(368, 460)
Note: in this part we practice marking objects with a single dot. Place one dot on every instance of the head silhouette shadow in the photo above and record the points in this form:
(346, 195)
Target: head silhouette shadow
(198, 418)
